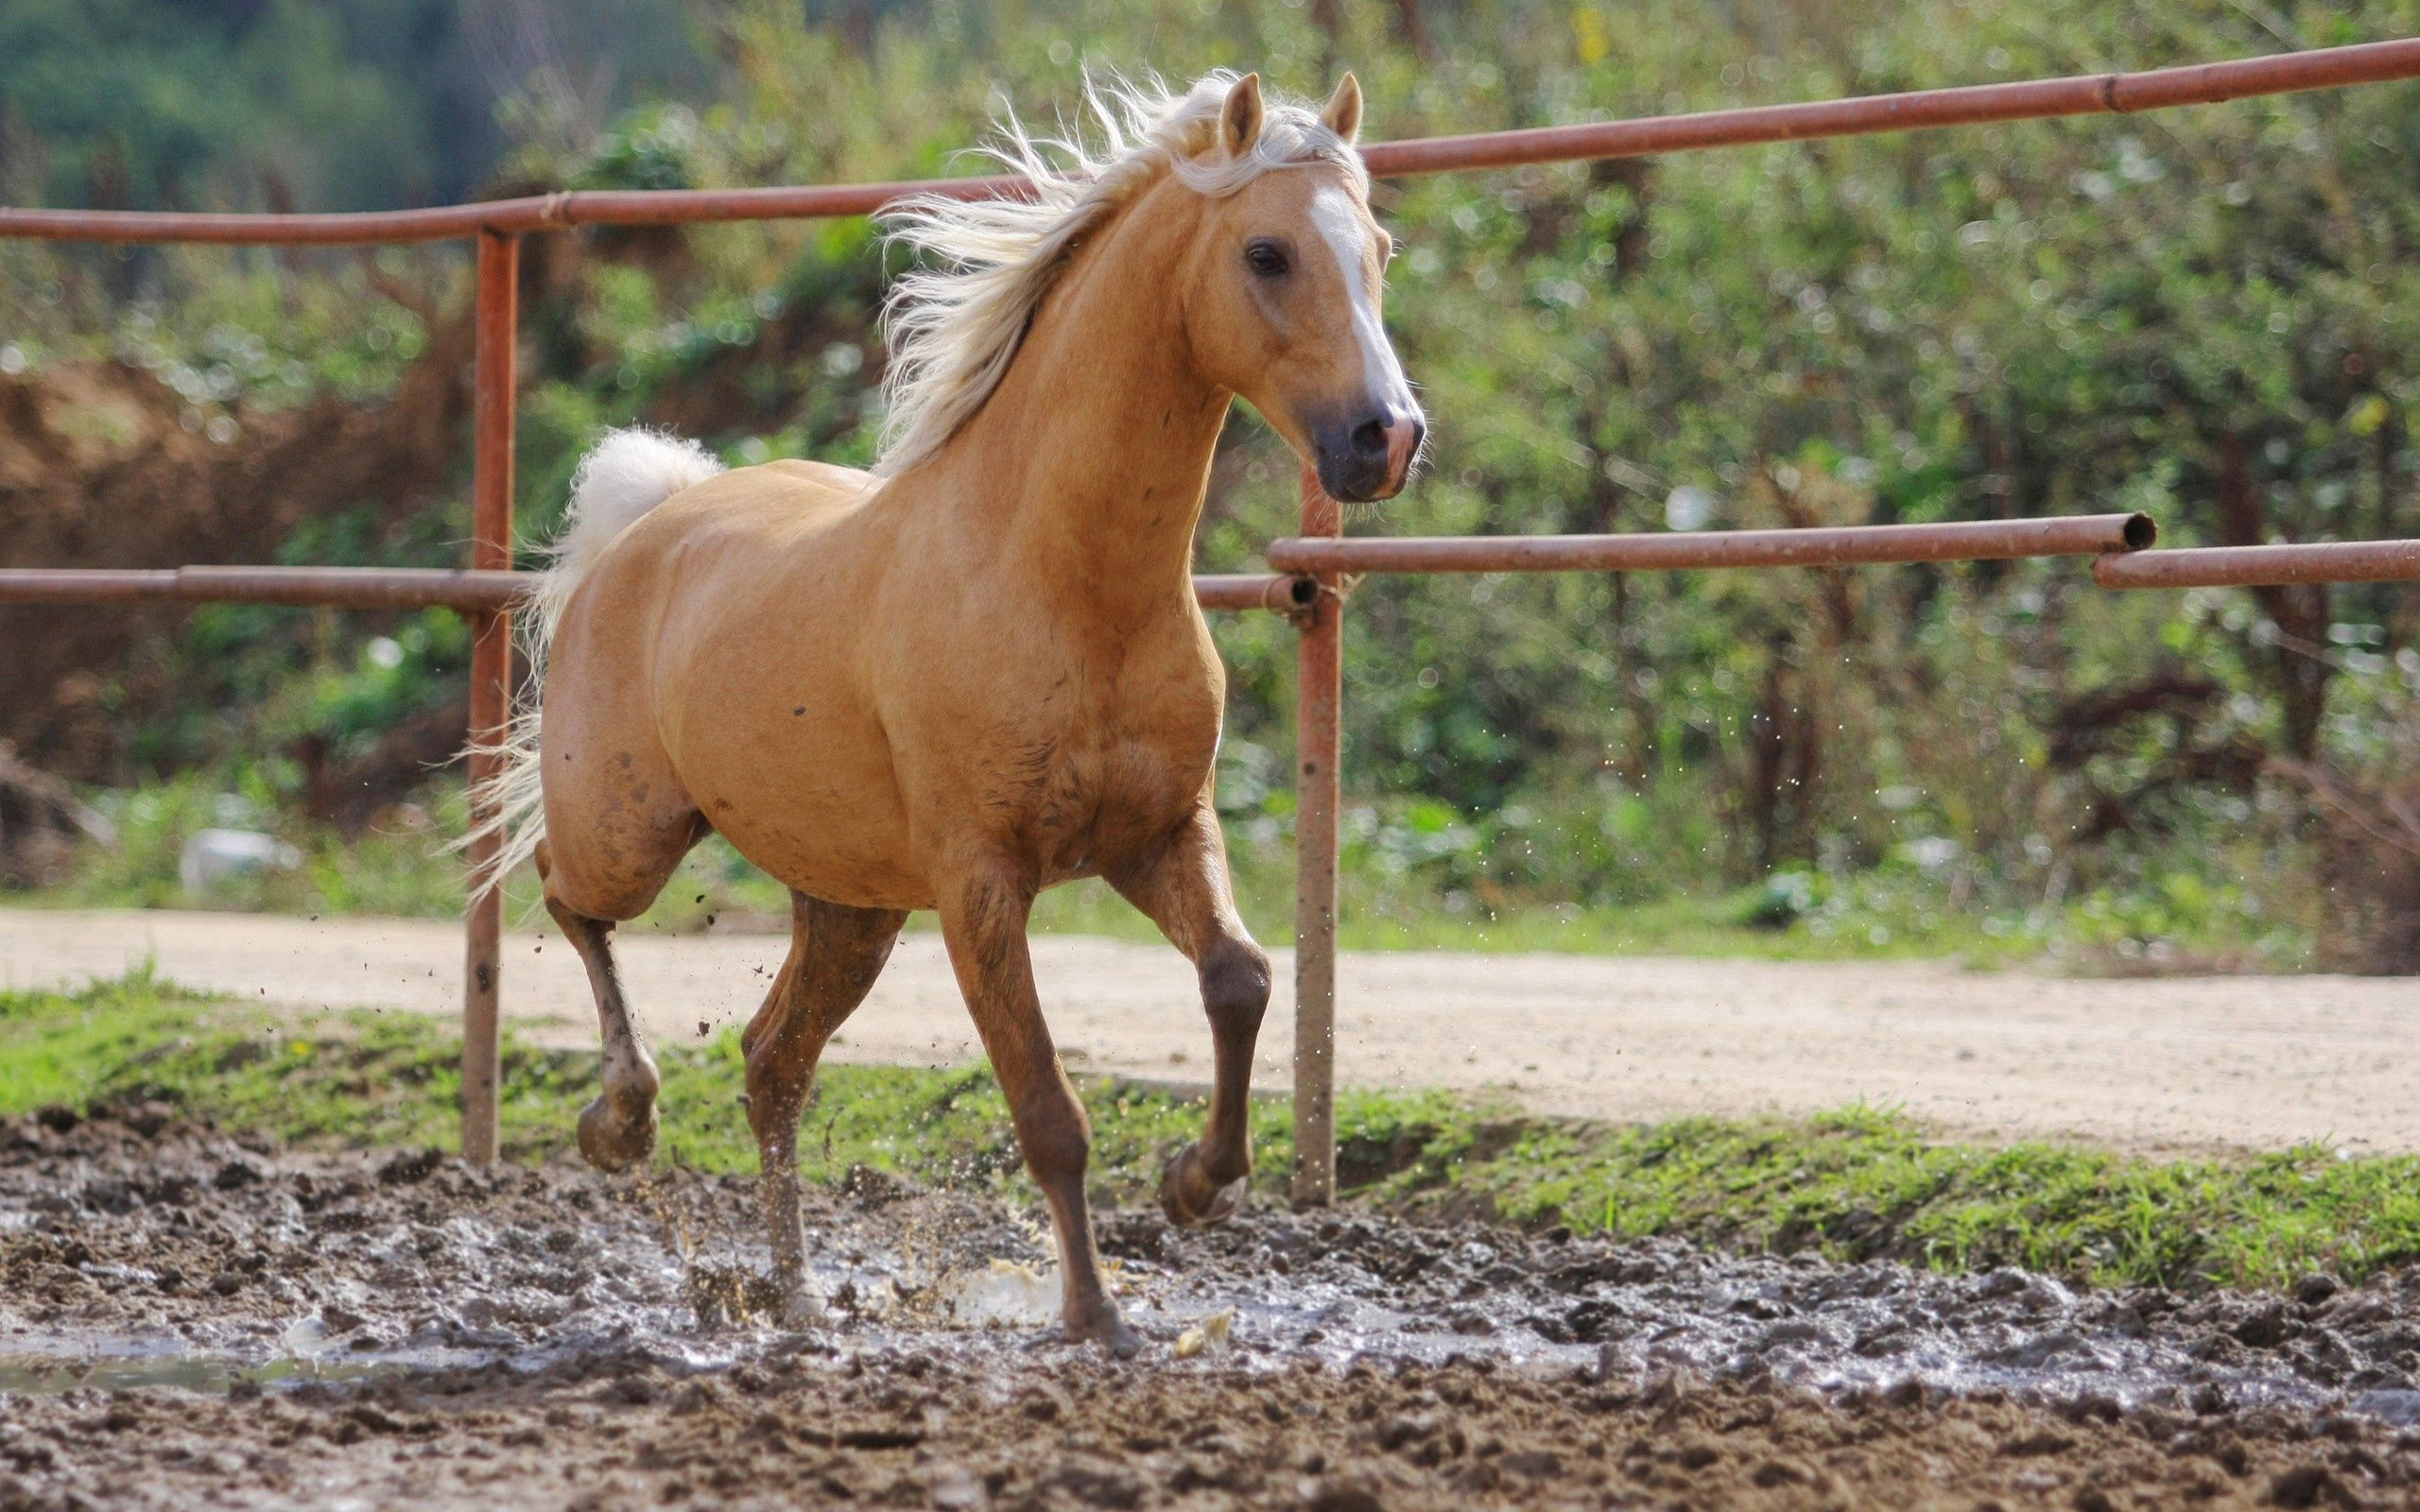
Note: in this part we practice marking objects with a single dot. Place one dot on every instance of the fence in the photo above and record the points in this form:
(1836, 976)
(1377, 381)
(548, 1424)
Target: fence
(1312, 572)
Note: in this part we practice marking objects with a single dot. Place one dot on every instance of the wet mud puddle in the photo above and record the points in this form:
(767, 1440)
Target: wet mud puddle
(134, 1252)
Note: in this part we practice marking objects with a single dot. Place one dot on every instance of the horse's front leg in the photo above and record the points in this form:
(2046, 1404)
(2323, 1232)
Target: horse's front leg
(1184, 889)
(983, 913)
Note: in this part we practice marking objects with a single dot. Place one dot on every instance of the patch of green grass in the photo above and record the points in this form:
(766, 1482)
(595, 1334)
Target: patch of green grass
(371, 1079)
(1855, 1183)
(1863, 1182)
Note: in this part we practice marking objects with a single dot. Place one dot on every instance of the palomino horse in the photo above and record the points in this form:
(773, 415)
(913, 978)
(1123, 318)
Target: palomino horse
(979, 670)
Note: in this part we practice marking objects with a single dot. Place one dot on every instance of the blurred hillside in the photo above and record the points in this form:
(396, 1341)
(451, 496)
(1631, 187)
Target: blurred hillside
(2206, 314)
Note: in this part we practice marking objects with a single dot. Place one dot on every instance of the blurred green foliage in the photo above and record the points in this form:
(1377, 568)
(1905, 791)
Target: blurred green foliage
(318, 104)
(2207, 314)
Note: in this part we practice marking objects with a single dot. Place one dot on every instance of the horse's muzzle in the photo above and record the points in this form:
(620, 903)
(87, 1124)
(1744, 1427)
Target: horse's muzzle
(1370, 457)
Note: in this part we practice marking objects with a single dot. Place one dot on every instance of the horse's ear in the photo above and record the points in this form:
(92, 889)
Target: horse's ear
(1342, 111)
(1239, 118)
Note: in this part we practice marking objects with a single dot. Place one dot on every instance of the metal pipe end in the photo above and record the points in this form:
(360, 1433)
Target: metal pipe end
(1303, 591)
(2140, 530)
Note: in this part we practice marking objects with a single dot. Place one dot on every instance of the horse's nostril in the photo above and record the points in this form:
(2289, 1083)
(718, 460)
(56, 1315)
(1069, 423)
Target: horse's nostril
(1370, 439)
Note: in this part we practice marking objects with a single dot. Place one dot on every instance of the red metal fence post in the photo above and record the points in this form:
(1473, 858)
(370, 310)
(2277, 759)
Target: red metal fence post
(491, 672)
(1319, 742)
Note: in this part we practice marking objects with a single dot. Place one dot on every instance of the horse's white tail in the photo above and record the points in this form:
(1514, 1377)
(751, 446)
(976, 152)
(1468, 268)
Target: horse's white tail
(626, 474)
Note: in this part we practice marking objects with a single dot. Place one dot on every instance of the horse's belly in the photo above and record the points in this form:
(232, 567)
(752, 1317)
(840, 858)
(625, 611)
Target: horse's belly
(873, 874)
(817, 809)
(840, 853)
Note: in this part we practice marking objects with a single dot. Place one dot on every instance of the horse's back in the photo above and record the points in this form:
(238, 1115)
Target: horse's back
(850, 481)
(773, 499)
(732, 538)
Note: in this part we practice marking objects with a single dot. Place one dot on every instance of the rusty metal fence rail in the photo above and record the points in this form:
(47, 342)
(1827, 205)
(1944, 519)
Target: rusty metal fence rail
(1313, 571)
(469, 592)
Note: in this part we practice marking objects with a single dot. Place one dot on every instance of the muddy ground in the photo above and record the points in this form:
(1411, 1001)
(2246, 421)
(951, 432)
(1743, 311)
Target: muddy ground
(188, 1321)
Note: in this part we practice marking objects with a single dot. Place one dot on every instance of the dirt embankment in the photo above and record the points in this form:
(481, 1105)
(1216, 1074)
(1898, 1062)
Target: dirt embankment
(109, 467)
(185, 1321)
(42, 824)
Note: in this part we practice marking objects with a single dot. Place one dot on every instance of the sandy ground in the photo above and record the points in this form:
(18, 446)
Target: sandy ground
(2177, 1064)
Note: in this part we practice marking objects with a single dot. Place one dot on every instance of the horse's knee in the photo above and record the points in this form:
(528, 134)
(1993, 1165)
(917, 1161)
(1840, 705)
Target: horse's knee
(776, 1086)
(1056, 1140)
(1235, 984)
(987, 906)
(575, 922)
(612, 864)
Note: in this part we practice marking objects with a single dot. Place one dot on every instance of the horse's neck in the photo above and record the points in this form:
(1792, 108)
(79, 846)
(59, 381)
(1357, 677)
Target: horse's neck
(1089, 463)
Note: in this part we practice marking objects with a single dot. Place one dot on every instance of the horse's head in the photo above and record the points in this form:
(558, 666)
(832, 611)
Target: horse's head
(1281, 296)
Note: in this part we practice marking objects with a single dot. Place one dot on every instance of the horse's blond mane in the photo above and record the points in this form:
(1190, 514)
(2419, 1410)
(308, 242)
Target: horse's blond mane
(955, 323)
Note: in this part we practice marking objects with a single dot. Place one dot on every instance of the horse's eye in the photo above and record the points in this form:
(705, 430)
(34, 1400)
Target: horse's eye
(1265, 258)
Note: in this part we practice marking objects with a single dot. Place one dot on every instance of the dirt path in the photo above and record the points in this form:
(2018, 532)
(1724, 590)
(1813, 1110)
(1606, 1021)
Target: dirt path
(2167, 1065)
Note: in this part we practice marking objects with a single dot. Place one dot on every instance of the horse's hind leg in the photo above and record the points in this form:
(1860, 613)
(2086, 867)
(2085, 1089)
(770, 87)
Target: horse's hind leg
(618, 819)
(836, 953)
(617, 826)
(618, 1127)
(1184, 889)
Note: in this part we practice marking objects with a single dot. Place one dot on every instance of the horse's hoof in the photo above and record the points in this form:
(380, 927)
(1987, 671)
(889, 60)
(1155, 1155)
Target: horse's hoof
(613, 1139)
(800, 1305)
(1188, 1198)
(1110, 1331)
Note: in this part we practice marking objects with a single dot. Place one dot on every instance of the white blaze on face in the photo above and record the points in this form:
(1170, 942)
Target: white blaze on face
(1338, 219)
